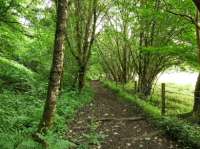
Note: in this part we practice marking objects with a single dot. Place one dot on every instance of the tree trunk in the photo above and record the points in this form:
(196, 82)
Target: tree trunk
(144, 86)
(81, 78)
(196, 107)
(56, 69)
(124, 68)
(197, 3)
(61, 80)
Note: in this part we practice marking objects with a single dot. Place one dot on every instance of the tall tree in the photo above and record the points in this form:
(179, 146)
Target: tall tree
(196, 107)
(115, 56)
(82, 25)
(114, 44)
(188, 15)
(159, 38)
(56, 69)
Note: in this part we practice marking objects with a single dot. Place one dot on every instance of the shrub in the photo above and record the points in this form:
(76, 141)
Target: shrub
(15, 76)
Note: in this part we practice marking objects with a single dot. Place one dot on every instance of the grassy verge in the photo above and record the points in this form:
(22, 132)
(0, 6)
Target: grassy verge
(179, 98)
(20, 114)
(179, 130)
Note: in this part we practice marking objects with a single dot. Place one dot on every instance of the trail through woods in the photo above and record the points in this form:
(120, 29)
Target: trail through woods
(123, 124)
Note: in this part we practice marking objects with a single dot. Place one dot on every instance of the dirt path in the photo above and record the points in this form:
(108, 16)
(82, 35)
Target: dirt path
(110, 115)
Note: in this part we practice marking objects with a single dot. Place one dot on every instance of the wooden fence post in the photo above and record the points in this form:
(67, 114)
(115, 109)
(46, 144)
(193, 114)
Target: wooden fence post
(163, 106)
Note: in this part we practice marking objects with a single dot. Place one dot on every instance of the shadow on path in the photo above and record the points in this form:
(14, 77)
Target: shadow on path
(122, 124)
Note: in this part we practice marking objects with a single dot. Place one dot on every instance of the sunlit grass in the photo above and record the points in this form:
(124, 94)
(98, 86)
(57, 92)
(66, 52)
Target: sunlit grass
(179, 98)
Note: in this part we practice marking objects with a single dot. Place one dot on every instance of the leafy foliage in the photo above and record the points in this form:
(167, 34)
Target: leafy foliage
(115, 40)
(18, 122)
(15, 76)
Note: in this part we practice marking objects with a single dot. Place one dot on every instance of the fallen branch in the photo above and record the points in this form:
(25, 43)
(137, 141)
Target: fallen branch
(120, 119)
(81, 128)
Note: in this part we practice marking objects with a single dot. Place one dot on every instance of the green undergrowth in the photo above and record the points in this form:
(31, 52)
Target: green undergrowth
(15, 76)
(21, 112)
(22, 96)
(182, 131)
(91, 139)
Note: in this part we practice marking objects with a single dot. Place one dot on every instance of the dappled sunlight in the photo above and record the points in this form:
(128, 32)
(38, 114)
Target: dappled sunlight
(103, 74)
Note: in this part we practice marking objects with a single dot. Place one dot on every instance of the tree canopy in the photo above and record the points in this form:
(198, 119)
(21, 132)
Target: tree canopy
(50, 49)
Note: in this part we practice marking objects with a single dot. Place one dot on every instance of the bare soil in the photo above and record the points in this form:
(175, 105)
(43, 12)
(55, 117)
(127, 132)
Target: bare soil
(123, 124)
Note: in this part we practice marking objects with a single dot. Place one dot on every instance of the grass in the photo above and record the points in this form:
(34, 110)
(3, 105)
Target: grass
(14, 64)
(179, 98)
(182, 131)
(15, 76)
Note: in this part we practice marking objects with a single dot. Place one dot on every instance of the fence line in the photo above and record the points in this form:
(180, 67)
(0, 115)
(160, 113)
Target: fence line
(176, 88)
(189, 94)
(167, 91)
(164, 96)
(163, 107)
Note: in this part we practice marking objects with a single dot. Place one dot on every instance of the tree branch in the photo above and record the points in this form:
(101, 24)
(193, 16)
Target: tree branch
(187, 17)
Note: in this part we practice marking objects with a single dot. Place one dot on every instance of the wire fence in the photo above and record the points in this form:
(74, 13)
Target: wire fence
(170, 99)
(171, 91)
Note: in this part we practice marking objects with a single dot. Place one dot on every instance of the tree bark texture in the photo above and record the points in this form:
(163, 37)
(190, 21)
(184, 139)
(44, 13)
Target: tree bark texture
(56, 69)
(196, 107)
